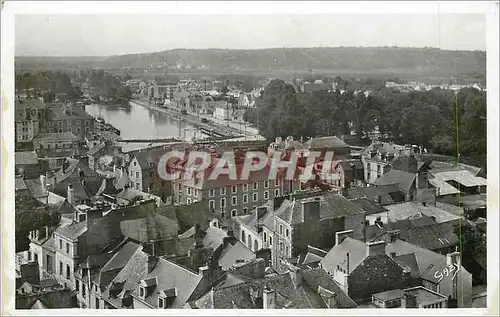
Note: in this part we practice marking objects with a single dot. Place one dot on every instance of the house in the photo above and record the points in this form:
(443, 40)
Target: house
(415, 209)
(378, 157)
(362, 269)
(223, 112)
(327, 144)
(128, 196)
(26, 164)
(414, 297)
(94, 153)
(232, 197)
(141, 168)
(69, 119)
(292, 290)
(373, 211)
(463, 180)
(29, 119)
(64, 144)
(351, 173)
(376, 194)
(299, 223)
(429, 265)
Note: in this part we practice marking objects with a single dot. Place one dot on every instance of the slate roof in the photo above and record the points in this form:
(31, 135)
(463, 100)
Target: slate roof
(433, 237)
(318, 277)
(331, 206)
(170, 275)
(428, 261)
(148, 157)
(463, 177)
(328, 142)
(213, 237)
(375, 231)
(403, 179)
(117, 262)
(233, 253)
(94, 150)
(389, 295)
(412, 209)
(26, 158)
(35, 188)
(20, 184)
(152, 226)
(444, 187)
(72, 231)
(56, 137)
(371, 193)
(368, 206)
(338, 255)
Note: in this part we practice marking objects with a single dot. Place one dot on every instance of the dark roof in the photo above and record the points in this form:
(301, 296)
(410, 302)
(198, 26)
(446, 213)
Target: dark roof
(170, 275)
(117, 262)
(147, 157)
(409, 263)
(331, 206)
(376, 231)
(76, 113)
(338, 255)
(403, 179)
(72, 231)
(368, 206)
(56, 137)
(26, 158)
(407, 164)
(35, 188)
(328, 142)
(151, 227)
(389, 295)
(433, 237)
(318, 277)
(371, 193)
(96, 149)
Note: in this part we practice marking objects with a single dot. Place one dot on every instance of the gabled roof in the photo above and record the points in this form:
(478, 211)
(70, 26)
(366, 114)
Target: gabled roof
(26, 158)
(371, 193)
(170, 275)
(404, 179)
(331, 206)
(463, 177)
(56, 137)
(72, 231)
(338, 255)
(415, 209)
(94, 150)
(152, 226)
(20, 184)
(117, 262)
(443, 186)
(214, 237)
(368, 206)
(233, 253)
(328, 142)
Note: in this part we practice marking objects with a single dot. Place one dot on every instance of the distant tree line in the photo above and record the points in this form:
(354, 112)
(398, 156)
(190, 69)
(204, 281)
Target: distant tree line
(435, 119)
(46, 84)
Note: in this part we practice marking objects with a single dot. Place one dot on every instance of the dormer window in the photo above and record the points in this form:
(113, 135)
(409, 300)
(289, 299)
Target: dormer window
(167, 297)
(142, 292)
(161, 302)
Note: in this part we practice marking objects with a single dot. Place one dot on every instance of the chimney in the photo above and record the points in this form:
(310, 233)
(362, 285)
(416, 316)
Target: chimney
(394, 235)
(94, 213)
(71, 194)
(311, 210)
(43, 182)
(341, 235)
(376, 248)
(151, 260)
(379, 199)
(269, 298)
(408, 301)
(452, 258)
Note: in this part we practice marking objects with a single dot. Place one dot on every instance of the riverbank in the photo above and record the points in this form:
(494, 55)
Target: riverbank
(195, 120)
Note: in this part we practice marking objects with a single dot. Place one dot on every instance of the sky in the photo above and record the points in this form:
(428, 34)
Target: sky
(104, 35)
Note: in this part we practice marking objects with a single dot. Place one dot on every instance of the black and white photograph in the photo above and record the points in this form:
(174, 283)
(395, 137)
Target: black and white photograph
(251, 158)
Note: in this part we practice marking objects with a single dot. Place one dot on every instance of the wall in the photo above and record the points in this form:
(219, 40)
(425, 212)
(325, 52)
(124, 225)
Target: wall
(376, 274)
(133, 169)
(320, 234)
(464, 285)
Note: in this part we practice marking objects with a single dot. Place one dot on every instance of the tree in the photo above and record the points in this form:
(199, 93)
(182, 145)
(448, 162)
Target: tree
(473, 245)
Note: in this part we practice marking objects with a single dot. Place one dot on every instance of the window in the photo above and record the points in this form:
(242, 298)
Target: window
(84, 290)
(67, 247)
(255, 185)
(266, 184)
(245, 210)
(281, 229)
(29, 255)
(234, 200)
(266, 194)
(61, 268)
(276, 192)
(255, 197)
(223, 202)
(60, 244)
(137, 175)
(142, 292)
(243, 236)
(77, 286)
(255, 245)
(245, 187)
(234, 189)
(36, 257)
(211, 192)
(249, 241)
(270, 240)
(137, 186)
(160, 302)
(87, 123)
(245, 198)
(286, 250)
(233, 213)
(49, 263)
(277, 182)
(135, 163)
(211, 205)
(188, 201)
(68, 272)
(189, 190)
(265, 236)
(287, 233)
(97, 303)
(281, 246)
(223, 190)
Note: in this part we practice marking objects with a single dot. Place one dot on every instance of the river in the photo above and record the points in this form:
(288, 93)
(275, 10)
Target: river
(135, 121)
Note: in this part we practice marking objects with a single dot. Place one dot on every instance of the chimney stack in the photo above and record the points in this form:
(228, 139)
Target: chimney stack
(452, 258)
(394, 235)
(341, 235)
(269, 298)
(152, 260)
(43, 182)
(376, 248)
(311, 210)
(71, 194)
